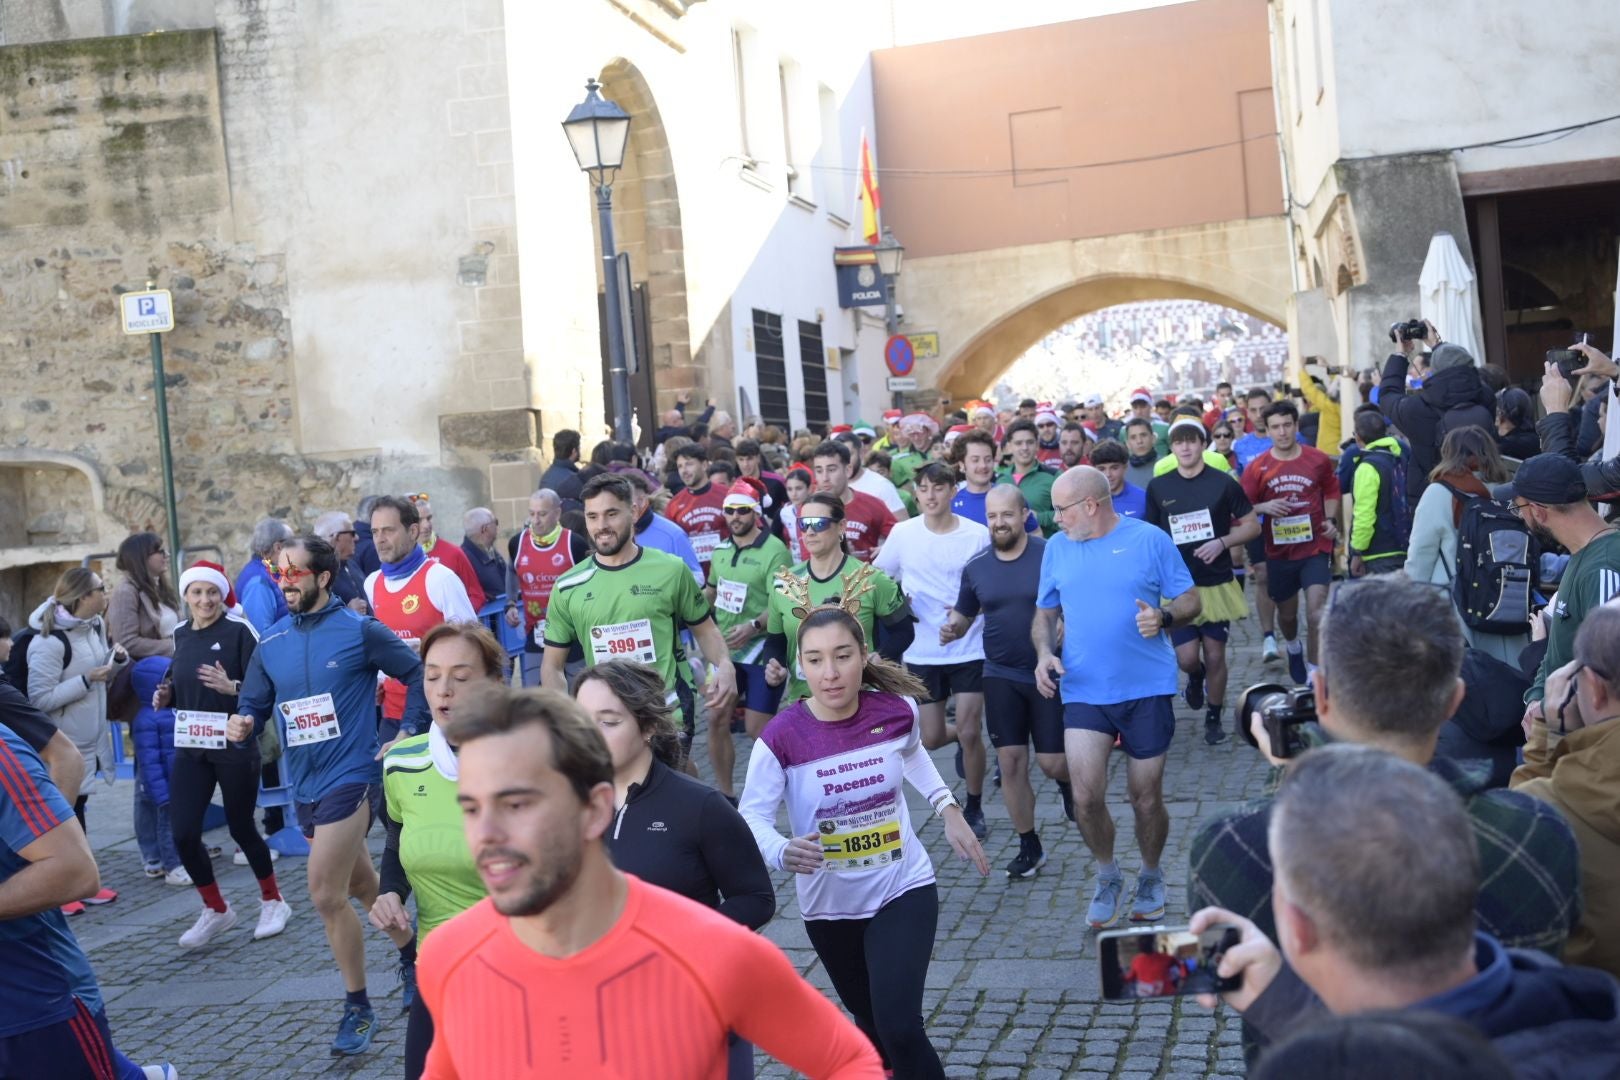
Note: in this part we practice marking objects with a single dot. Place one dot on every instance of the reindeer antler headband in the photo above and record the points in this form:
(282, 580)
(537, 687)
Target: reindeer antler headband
(857, 584)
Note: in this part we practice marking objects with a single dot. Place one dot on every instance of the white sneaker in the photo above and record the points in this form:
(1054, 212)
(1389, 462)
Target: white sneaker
(273, 915)
(177, 876)
(209, 925)
(164, 1071)
(240, 858)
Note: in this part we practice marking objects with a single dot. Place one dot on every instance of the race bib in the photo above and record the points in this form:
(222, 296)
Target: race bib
(1192, 527)
(1291, 530)
(310, 720)
(704, 543)
(199, 730)
(540, 633)
(731, 596)
(624, 641)
(859, 842)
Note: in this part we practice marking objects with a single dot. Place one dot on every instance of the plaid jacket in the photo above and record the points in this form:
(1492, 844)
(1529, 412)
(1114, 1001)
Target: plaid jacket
(1529, 895)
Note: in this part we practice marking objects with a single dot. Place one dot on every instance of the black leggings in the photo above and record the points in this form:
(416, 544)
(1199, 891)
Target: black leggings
(877, 965)
(191, 784)
(78, 812)
(418, 1037)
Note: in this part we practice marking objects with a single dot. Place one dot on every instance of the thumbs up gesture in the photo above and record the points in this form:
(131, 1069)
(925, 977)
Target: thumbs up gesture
(1149, 620)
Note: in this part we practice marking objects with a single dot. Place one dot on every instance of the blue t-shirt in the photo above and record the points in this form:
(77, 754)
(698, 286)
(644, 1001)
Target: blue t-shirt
(1097, 582)
(42, 968)
(1004, 592)
(1131, 502)
(970, 504)
(1250, 447)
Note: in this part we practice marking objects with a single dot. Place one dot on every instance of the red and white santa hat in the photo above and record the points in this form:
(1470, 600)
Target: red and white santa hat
(892, 416)
(919, 420)
(749, 492)
(956, 432)
(213, 574)
(1141, 394)
(1044, 414)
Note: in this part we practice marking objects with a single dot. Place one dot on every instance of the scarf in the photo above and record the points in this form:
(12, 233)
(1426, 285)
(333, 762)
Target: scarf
(548, 539)
(1468, 484)
(444, 755)
(407, 566)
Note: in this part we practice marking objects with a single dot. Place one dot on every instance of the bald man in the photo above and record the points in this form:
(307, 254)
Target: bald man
(1108, 575)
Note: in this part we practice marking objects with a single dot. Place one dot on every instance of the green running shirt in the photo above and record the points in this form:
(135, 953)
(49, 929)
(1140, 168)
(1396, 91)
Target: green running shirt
(432, 842)
(884, 598)
(742, 580)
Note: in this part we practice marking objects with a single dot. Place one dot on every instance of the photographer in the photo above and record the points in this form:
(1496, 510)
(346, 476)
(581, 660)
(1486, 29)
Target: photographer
(1377, 884)
(1392, 651)
(1559, 429)
(1452, 396)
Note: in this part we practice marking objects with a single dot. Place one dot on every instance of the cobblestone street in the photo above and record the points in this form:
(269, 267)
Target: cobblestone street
(1013, 989)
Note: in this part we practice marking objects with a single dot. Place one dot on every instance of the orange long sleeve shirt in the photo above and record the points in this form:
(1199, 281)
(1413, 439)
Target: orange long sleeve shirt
(655, 996)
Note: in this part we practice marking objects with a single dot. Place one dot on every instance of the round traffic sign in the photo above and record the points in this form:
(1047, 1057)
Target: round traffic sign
(899, 355)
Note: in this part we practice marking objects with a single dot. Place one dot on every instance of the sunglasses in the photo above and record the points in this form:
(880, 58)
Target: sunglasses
(1223, 434)
(738, 511)
(817, 524)
(292, 575)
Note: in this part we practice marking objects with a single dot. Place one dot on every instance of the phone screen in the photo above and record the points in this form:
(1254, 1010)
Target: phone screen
(1164, 961)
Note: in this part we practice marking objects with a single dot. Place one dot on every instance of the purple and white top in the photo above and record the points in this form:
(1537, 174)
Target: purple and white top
(843, 781)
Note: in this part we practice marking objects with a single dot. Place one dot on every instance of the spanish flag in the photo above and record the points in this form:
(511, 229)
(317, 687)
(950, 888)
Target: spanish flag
(867, 193)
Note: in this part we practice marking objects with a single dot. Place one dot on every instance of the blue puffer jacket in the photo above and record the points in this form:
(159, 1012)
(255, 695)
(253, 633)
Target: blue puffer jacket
(334, 651)
(153, 729)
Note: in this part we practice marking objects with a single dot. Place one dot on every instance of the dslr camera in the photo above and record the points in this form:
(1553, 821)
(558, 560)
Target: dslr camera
(1283, 710)
(1411, 330)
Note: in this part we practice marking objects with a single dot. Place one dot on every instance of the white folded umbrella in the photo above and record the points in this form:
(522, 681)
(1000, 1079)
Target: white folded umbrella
(1446, 295)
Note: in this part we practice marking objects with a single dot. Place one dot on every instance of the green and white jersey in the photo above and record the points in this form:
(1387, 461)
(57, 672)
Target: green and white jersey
(883, 599)
(432, 840)
(742, 580)
(630, 612)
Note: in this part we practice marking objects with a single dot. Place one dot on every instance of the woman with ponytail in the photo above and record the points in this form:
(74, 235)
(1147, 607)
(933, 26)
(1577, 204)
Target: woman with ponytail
(865, 882)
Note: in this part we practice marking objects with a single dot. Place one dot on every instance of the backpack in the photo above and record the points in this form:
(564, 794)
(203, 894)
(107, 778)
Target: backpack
(16, 669)
(1394, 510)
(1496, 559)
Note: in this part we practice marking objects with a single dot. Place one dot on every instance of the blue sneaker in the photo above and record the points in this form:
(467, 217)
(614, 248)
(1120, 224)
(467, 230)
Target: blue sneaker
(407, 986)
(1149, 902)
(354, 1033)
(1296, 666)
(1104, 909)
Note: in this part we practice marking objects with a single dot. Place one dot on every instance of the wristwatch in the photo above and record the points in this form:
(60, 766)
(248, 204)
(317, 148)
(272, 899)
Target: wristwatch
(1166, 620)
(944, 803)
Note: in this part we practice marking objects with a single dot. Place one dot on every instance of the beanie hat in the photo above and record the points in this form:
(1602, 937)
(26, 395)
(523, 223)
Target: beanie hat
(1447, 355)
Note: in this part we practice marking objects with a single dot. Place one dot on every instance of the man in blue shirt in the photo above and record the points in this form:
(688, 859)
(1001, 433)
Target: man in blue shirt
(1110, 458)
(1108, 576)
(316, 672)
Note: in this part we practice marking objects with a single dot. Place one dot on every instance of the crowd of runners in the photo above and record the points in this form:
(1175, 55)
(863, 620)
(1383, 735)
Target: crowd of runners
(566, 897)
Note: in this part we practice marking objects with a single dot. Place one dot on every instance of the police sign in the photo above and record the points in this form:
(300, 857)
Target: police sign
(859, 282)
(150, 312)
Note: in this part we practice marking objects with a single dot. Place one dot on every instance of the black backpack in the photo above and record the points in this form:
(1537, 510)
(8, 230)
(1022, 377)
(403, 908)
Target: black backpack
(16, 669)
(1495, 571)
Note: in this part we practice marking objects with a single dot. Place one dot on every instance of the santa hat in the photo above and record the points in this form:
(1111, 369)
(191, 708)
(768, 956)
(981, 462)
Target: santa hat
(892, 416)
(1045, 416)
(1141, 394)
(919, 420)
(956, 432)
(981, 409)
(838, 429)
(748, 492)
(211, 573)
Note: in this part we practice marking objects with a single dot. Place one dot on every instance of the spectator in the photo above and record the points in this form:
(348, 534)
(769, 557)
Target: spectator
(480, 543)
(349, 585)
(1516, 425)
(675, 422)
(1378, 875)
(1324, 402)
(1559, 429)
(1580, 775)
(262, 602)
(1485, 726)
(153, 736)
(365, 550)
(562, 475)
(1386, 1045)
(1452, 397)
(1381, 520)
(1469, 461)
(1390, 658)
(722, 429)
(143, 609)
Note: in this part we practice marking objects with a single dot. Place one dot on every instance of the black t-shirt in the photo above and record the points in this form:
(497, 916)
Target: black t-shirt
(228, 640)
(1196, 511)
(1004, 590)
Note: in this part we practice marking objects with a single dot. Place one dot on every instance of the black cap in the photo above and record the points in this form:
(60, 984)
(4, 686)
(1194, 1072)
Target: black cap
(1549, 479)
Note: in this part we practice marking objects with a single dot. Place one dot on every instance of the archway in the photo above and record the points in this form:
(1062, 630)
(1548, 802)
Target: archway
(647, 226)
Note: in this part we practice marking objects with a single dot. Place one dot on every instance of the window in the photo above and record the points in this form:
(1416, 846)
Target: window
(828, 171)
(1294, 62)
(813, 359)
(1316, 46)
(784, 84)
(740, 73)
(770, 370)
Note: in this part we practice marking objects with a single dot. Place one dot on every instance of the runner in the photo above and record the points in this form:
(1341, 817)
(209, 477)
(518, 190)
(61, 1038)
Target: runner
(1247, 448)
(411, 593)
(1073, 445)
(1294, 486)
(1049, 449)
(1207, 515)
(925, 558)
(538, 556)
(628, 601)
(866, 520)
(865, 480)
(830, 571)
(864, 881)
(212, 652)
(573, 968)
(654, 530)
(1001, 583)
(696, 508)
(1107, 576)
(442, 551)
(426, 850)
(326, 717)
(1111, 459)
(919, 430)
(1028, 475)
(976, 455)
(798, 483)
(741, 577)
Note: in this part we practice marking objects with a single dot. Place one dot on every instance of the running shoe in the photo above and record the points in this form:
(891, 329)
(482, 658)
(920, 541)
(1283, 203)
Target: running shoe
(209, 925)
(1195, 689)
(240, 858)
(975, 820)
(1296, 667)
(407, 985)
(105, 896)
(998, 774)
(354, 1031)
(273, 915)
(1214, 734)
(215, 851)
(75, 908)
(178, 876)
(1104, 909)
(1268, 650)
(153, 871)
(1026, 865)
(164, 1071)
(1149, 902)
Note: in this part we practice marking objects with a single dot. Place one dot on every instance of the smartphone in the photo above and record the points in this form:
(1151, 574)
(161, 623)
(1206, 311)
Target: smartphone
(1164, 961)
(1568, 361)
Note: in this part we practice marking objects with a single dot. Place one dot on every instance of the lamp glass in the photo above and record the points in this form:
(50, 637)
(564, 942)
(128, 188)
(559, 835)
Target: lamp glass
(597, 132)
(889, 252)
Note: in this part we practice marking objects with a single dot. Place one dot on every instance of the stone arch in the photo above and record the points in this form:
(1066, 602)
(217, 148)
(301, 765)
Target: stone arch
(54, 513)
(647, 225)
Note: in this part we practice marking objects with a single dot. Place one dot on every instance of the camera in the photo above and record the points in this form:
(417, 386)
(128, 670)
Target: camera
(1282, 709)
(1411, 330)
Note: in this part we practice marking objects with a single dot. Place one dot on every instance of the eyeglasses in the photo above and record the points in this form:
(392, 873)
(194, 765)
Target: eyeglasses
(1223, 434)
(1519, 508)
(344, 532)
(817, 524)
(738, 511)
(1057, 509)
(291, 575)
(159, 551)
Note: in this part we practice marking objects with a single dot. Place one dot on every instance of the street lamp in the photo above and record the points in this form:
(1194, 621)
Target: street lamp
(598, 130)
(890, 252)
